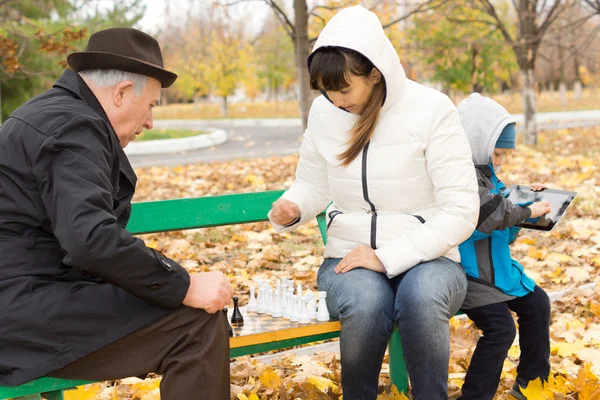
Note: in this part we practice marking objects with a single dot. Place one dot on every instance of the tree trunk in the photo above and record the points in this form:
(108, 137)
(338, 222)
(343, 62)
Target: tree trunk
(196, 103)
(578, 89)
(301, 47)
(529, 106)
(224, 108)
(562, 88)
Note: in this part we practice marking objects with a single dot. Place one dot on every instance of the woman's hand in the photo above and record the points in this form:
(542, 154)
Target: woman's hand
(361, 257)
(536, 187)
(539, 208)
(284, 212)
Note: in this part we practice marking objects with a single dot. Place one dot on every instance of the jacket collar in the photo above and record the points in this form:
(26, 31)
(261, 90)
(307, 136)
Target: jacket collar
(72, 82)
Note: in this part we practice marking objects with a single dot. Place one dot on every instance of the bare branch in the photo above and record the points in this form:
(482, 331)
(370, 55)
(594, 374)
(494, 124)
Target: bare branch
(491, 10)
(423, 7)
(283, 18)
(553, 14)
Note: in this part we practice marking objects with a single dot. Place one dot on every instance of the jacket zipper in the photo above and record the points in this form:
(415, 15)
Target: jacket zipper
(366, 197)
(493, 273)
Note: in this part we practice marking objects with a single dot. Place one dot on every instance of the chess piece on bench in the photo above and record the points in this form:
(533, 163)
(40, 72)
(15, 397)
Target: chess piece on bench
(251, 307)
(277, 311)
(288, 304)
(304, 316)
(311, 304)
(322, 312)
(236, 318)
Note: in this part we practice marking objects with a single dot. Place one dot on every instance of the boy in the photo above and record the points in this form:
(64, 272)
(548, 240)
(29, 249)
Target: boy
(497, 283)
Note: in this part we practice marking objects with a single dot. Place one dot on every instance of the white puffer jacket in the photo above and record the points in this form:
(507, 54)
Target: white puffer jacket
(412, 193)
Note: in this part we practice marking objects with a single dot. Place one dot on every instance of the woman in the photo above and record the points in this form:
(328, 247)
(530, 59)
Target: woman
(392, 158)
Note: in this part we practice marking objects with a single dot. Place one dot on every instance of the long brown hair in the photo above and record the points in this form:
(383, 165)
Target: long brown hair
(330, 69)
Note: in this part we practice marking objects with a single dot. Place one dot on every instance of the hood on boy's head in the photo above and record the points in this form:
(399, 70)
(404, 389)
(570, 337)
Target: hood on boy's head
(359, 29)
(483, 120)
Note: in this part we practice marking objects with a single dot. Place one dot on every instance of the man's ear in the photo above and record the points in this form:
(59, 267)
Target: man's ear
(123, 89)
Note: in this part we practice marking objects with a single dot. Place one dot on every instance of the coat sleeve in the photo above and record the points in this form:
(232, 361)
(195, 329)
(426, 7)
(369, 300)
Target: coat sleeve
(497, 212)
(450, 168)
(73, 169)
(310, 190)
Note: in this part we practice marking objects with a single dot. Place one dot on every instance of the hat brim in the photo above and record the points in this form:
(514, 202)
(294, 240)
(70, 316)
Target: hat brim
(86, 60)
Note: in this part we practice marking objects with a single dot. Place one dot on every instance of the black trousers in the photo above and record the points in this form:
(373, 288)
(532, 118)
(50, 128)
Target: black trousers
(188, 347)
(498, 328)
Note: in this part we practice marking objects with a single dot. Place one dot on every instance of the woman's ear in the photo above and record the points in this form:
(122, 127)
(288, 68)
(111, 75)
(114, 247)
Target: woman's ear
(375, 76)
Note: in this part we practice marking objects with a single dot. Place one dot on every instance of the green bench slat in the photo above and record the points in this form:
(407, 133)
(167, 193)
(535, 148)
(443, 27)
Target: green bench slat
(41, 385)
(201, 212)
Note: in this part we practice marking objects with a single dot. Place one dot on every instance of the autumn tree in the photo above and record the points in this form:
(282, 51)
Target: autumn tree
(33, 41)
(464, 57)
(532, 20)
(274, 57)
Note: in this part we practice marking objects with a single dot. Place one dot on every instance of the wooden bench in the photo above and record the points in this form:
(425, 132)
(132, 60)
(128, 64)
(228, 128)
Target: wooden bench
(204, 212)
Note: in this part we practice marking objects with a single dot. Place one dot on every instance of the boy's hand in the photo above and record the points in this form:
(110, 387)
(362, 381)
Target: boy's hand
(361, 257)
(539, 208)
(284, 212)
(536, 187)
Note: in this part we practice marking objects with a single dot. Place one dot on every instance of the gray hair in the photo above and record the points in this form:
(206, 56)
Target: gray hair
(112, 77)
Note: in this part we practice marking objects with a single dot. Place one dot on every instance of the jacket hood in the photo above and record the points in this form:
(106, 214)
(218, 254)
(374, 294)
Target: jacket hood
(358, 29)
(483, 120)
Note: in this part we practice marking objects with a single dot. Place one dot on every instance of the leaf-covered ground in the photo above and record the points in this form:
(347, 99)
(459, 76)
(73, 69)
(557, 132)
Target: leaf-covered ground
(566, 258)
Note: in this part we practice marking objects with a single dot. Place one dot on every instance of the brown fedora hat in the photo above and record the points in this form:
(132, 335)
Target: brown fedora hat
(124, 49)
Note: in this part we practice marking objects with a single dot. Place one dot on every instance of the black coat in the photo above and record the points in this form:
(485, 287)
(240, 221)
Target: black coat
(72, 279)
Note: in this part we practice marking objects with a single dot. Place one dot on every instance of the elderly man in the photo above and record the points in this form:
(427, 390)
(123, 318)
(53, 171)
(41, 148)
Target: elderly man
(81, 298)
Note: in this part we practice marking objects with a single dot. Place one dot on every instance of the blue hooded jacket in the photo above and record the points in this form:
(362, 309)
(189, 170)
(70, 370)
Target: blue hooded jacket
(493, 275)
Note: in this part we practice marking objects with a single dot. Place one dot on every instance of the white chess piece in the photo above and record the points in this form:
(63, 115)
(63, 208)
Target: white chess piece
(303, 317)
(294, 313)
(288, 305)
(299, 290)
(271, 302)
(251, 307)
(260, 300)
(277, 311)
(322, 312)
(311, 304)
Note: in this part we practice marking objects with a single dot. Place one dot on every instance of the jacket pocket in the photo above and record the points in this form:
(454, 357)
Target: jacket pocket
(332, 214)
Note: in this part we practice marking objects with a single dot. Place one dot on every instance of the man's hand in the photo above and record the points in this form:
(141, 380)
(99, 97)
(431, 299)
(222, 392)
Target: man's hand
(539, 208)
(284, 212)
(537, 187)
(210, 291)
(361, 257)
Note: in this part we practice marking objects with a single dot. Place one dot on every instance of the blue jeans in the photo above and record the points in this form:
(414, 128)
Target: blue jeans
(368, 304)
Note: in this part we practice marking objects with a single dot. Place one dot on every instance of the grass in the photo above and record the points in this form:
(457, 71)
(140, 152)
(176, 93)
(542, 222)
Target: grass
(158, 134)
(546, 101)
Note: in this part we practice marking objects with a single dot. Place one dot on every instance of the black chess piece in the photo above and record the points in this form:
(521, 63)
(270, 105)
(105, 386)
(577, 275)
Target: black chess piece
(228, 324)
(237, 317)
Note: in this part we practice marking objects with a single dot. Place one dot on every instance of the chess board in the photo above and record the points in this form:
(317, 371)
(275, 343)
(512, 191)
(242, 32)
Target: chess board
(262, 328)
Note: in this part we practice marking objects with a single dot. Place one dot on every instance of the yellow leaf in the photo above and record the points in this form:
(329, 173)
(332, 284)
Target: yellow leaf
(560, 257)
(395, 395)
(242, 396)
(538, 254)
(564, 349)
(253, 396)
(87, 392)
(535, 391)
(269, 378)
(321, 382)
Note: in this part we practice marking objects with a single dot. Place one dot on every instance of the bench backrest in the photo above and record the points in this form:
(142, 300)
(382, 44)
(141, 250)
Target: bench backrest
(204, 212)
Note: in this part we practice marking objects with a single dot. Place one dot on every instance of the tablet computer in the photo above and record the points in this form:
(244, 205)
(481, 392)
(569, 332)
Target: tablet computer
(559, 201)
